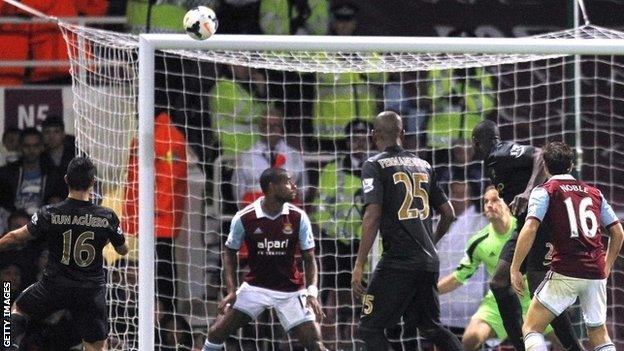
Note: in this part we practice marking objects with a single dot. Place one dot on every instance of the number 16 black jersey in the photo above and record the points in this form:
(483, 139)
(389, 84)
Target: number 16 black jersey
(406, 188)
(76, 231)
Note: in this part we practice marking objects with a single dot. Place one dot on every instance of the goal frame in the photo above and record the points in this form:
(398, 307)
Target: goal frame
(149, 43)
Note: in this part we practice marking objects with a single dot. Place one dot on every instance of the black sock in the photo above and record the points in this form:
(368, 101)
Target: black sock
(511, 314)
(443, 339)
(565, 332)
(19, 323)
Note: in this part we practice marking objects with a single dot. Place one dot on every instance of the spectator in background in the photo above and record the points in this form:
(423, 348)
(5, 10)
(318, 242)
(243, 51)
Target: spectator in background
(60, 148)
(239, 17)
(24, 257)
(338, 216)
(401, 96)
(287, 17)
(10, 151)
(32, 181)
(235, 107)
(170, 201)
(12, 273)
(270, 151)
(342, 97)
(456, 307)
(46, 40)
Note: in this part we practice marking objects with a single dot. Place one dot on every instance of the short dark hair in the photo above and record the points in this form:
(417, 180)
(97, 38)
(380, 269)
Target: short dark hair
(270, 175)
(485, 130)
(80, 173)
(10, 130)
(30, 131)
(558, 157)
(53, 121)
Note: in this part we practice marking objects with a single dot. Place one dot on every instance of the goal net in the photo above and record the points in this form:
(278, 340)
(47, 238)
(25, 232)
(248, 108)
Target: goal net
(212, 138)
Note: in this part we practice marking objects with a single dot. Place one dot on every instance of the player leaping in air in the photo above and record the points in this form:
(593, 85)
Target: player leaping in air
(274, 231)
(76, 231)
(579, 269)
(515, 170)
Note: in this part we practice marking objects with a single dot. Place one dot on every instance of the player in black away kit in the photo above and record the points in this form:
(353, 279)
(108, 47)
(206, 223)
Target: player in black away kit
(399, 188)
(76, 231)
(515, 170)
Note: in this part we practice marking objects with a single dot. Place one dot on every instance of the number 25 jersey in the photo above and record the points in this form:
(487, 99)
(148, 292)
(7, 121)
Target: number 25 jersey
(575, 212)
(405, 187)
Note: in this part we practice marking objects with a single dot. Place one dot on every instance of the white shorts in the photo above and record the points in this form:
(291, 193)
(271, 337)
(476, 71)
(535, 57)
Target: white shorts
(558, 292)
(290, 306)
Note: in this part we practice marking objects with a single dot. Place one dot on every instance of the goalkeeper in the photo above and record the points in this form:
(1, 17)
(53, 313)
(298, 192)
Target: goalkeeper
(485, 247)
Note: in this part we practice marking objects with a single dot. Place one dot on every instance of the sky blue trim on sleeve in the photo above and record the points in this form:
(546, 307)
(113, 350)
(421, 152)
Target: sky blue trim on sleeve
(538, 203)
(607, 215)
(237, 234)
(306, 237)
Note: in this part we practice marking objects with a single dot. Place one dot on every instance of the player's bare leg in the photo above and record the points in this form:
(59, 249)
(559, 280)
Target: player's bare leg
(223, 327)
(95, 346)
(508, 304)
(309, 336)
(538, 317)
(562, 324)
(477, 332)
(599, 338)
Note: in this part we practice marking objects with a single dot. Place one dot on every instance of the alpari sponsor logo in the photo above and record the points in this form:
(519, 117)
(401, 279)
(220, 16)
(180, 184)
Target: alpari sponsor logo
(272, 247)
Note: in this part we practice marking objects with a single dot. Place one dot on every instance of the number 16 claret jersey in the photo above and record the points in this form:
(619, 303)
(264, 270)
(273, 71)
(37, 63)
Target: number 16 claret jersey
(575, 212)
(405, 186)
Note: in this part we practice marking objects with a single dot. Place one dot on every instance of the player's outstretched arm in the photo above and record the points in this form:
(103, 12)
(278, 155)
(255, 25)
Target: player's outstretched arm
(616, 234)
(538, 176)
(525, 241)
(447, 217)
(311, 274)
(15, 238)
(448, 284)
(370, 226)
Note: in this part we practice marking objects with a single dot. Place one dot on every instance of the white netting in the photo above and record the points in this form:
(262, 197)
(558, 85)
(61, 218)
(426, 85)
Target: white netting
(213, 102)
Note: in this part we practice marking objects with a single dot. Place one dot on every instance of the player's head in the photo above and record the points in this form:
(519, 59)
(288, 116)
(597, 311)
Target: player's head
(277, 184)
(80, 174)
(558, 157)
(484, 135)
(387, 130)
(494, 207)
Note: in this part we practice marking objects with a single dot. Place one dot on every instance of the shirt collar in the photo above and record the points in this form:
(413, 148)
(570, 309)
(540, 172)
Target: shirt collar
(260, 213)
(563, 177)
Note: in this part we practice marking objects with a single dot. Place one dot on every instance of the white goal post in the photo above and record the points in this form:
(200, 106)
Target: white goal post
(150, 43)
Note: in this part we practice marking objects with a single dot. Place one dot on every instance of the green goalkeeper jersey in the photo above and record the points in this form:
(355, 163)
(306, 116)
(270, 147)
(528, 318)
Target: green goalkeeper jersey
(484, 247)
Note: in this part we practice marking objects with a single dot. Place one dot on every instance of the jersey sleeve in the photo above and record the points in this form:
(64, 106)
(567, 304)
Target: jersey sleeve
(39, 222)
(237, 234)
(607, 215)
(116, 234)
(306, 238)
(437, 197)
(372, 185)
(538, 204)
(471, 260)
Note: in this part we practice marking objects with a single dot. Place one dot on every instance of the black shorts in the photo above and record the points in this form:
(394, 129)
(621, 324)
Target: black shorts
(394, 293)
(539, 256)
(87, 306)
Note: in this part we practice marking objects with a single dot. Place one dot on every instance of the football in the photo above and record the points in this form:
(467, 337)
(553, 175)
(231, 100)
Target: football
(200, 22)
